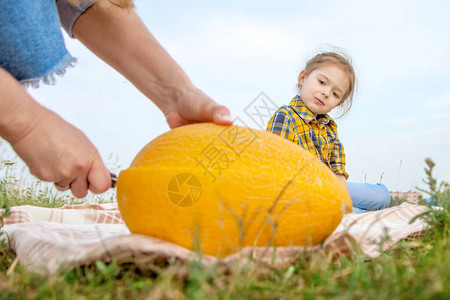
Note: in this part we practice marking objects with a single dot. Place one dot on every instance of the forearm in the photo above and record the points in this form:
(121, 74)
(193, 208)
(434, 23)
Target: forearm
(105, 30)
(18, 111)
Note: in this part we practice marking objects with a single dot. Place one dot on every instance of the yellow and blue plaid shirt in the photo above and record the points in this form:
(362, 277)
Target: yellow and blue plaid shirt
(296, 123)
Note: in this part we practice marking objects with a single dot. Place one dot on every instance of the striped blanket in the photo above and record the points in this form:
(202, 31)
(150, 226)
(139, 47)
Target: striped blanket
(46, 240)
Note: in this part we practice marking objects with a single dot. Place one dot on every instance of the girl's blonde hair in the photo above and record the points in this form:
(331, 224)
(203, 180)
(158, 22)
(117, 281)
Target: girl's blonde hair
(120, 3)
(342, 60)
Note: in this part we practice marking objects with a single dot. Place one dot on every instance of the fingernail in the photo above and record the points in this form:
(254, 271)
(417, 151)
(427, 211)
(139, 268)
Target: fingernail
(226, 118)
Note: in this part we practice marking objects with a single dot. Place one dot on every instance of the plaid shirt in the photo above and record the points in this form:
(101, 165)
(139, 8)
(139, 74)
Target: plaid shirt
(296, 123)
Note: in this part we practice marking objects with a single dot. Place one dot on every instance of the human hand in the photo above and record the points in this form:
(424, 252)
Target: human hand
(342, 179)
(195, 107)
(56, 151)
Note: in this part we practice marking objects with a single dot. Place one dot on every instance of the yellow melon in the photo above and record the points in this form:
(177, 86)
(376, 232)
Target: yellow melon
(226, 187)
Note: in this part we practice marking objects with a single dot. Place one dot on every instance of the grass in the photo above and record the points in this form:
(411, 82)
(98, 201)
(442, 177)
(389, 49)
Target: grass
(416, 268)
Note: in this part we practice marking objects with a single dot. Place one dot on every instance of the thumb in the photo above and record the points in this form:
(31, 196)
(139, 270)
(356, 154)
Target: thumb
(221, 115)
(99, 177)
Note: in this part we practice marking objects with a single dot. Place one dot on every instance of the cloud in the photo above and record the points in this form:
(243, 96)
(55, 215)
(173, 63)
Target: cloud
(442, 101)
(436, 116)
(240, 37)
(381, 154)
(390, 41)
(403, 121)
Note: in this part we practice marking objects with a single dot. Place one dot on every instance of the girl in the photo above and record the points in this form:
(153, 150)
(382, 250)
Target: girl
(327, 82)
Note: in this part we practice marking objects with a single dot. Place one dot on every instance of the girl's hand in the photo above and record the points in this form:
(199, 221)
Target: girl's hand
(342, 180)
(58, 152)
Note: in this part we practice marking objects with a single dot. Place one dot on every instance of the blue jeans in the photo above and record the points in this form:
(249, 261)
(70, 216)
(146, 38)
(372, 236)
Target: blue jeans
(366, 196)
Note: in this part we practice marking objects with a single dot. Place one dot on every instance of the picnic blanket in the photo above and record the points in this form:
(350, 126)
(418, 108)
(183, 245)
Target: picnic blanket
(47, 239)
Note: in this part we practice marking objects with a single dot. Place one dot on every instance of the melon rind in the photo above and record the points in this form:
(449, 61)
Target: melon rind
(272, 192)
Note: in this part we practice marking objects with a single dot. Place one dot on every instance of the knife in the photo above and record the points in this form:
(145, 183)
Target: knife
(113, 179)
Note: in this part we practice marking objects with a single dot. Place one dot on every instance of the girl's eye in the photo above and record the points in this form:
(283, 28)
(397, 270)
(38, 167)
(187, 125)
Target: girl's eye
(336, 95)
(321, 82)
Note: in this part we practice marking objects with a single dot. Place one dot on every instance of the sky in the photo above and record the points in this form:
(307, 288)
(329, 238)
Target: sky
(247, 53)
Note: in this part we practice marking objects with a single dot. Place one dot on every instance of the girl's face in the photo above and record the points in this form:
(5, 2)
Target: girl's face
(323, 89)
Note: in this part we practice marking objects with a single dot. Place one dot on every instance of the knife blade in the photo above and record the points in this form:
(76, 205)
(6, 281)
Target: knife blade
(113, 180)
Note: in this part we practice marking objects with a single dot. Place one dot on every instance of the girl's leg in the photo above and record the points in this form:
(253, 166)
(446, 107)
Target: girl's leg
(366, 196)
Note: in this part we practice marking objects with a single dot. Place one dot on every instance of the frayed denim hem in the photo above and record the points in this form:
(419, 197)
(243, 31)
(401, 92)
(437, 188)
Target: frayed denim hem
(49, 78)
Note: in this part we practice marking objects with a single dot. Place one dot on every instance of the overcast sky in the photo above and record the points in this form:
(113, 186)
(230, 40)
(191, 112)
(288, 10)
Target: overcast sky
(234, 50)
